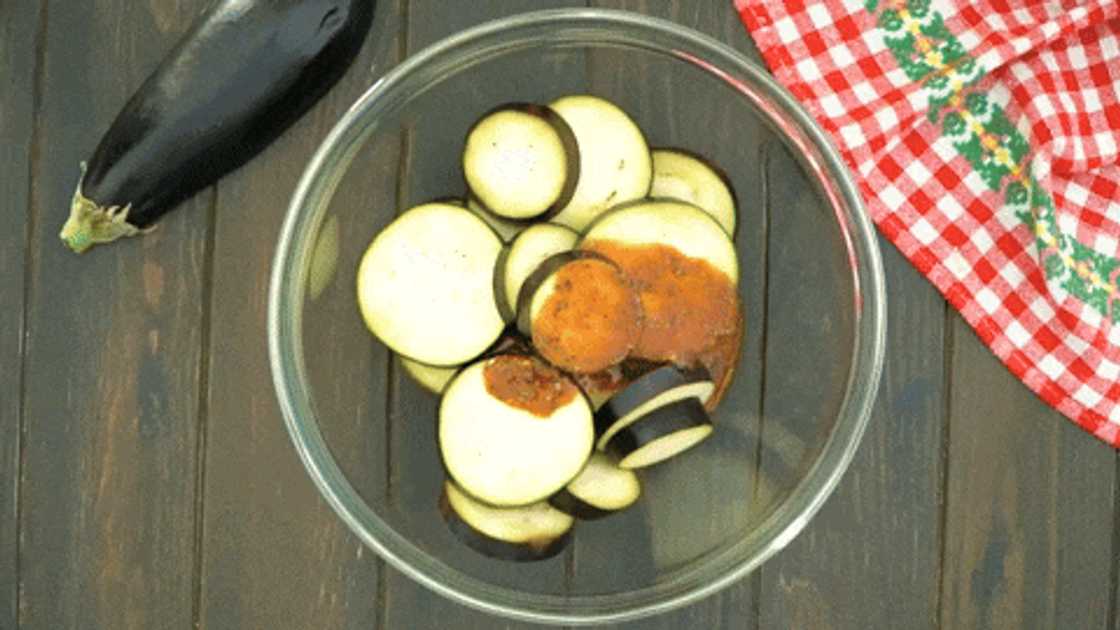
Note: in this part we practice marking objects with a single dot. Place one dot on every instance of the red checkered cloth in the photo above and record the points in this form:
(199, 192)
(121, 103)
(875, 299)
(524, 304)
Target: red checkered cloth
(984, 137)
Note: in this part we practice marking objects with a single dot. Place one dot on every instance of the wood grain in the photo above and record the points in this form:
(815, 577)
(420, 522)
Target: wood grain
(715, 479)
(1115, 608)
(432, 170)
(1029, 506)
(273, 554)
(154, 485)
(112, 356)
(870, 558)
(1114, 611)
(19, 61)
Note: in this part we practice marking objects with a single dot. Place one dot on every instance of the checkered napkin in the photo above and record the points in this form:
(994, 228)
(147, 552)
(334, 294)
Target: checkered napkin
(984, 137)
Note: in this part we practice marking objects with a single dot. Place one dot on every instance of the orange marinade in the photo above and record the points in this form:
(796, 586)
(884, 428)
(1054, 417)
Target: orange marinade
(591, 320)
(691, 309)
(527, 383)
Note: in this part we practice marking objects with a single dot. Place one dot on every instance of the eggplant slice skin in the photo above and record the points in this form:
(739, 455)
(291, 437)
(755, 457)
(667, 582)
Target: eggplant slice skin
(507, 229)
(243, 73)
(586, 317)
(690, 177)
(508, 315)
(601, 489)
(664, 386)
(513, 442)
(425, 285)
(670, 222)
(528, 250)
(523, 534)
(615, 161)
(521, 161)
(533, 282)
(430, 377)
(661, 434)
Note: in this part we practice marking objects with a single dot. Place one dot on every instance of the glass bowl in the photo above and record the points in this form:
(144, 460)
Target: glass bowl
(812, 288)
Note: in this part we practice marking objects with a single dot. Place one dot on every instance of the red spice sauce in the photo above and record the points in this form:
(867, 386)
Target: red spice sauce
(528, 383)
(591, 320)
(691, 309)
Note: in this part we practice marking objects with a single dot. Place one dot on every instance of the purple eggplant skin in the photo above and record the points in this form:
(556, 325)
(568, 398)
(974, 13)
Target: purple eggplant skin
(243, 73)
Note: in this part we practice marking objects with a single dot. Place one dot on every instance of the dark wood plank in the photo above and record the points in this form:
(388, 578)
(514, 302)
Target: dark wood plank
(1115, 608)
(1029, 505)
(834, 575)
(870, 558)
(433, 171)
(19, 62)
(112, 356)
(274, 555)
(714, 480)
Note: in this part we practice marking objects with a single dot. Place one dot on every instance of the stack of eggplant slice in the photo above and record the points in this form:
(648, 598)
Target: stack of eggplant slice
(577, 311)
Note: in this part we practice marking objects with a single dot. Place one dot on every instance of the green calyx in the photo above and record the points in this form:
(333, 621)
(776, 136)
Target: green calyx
(90, 223)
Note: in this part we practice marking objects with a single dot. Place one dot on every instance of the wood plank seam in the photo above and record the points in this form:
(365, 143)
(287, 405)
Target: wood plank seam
(764, 154)
(381, 617)
(1114, 581)
(203, 420)
(31, 233)
(948, 338)
(404, 166)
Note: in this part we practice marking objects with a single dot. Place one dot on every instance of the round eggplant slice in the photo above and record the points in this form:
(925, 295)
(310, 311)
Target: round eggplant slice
(661, 434)
(581, 312)
(519, 534)
(659, 388)
(600, 489)
(532, 247)
(507, 229)
(513, 430)
(615, 164)
(435, 379)
(426, 285)
(431, 378)
(680, 174)
(521, 161)
(533, 282)
(676, 224)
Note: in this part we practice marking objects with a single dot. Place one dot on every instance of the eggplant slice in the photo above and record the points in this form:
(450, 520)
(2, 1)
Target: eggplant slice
(513, 430)
(519, 534)
(430, 377)
(683, 175)
(533, 282)
(661, 387)
(676, 224)
(615, 163)
(507, 229)
(508, 315)
(661, 434)
(521, 161)
(531, 247)
(601, 489)
(581, 312)
(425, 285)
(435, 379)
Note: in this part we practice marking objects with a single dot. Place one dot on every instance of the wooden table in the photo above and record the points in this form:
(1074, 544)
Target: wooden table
(148, 481)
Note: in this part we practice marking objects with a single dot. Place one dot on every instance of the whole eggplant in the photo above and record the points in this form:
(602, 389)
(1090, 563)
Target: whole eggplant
(243, 73)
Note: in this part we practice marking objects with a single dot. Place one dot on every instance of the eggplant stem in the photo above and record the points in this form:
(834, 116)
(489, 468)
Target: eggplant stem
(90, 223)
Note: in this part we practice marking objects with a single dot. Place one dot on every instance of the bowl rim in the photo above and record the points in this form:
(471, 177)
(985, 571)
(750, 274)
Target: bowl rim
(784, 523)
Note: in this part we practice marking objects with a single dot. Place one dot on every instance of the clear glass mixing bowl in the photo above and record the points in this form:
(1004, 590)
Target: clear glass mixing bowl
(812, 287)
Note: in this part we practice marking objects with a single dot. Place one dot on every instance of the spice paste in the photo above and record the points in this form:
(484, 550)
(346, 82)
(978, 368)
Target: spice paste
(528, 383)
(691, 309)
(590, 320)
